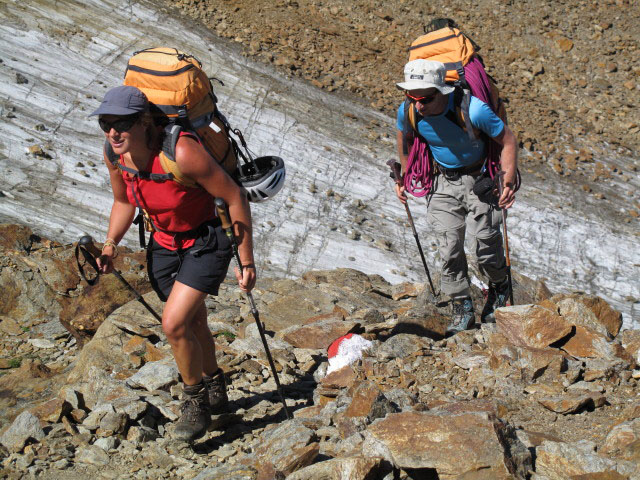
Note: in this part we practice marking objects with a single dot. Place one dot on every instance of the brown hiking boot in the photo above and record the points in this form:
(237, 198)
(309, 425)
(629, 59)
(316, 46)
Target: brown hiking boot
(217, 391)
(194, 413)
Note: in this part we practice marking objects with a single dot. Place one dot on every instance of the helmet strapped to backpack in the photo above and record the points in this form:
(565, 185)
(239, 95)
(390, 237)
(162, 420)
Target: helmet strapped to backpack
(262, 177)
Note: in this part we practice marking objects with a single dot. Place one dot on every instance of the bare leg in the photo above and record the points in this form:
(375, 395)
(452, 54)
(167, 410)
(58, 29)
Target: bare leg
(207, 344)
(181, 310)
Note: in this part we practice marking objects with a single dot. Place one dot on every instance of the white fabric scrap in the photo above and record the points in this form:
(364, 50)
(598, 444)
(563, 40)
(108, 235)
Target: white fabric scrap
(349, 350)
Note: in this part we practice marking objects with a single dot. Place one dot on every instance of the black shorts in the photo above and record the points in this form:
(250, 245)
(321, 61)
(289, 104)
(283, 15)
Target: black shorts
(202, 266)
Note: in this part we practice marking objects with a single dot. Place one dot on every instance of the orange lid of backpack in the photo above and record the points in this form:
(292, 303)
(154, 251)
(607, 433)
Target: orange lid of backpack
(447, 45)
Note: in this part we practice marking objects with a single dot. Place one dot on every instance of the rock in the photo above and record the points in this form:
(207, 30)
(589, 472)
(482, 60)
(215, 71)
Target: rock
(105, 349)
(350, 468)
(98, 385)
(568, 460)
(631, 343)
(106, 443)
(572, 402)
(405, 290)
(368, 401)
(113, 423)
(589, 311)
(585, 342)
(138, 435)
(286, 448)
(155, 376)
(453, 445)
(535, 326)
(42, 343)
(623, 441)
(24, 428)
(92, 422)
(402, 346)
(92, 455)
(52, 410)
(468, 361)
(317, 335)
(229, 472)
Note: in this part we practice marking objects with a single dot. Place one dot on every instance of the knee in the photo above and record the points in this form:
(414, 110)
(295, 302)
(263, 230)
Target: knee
(174, 328)
(489, 249)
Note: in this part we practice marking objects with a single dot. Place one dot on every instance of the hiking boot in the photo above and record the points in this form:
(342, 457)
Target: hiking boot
(217, 392)
(194, 413)
(463, 316)
(496, 297)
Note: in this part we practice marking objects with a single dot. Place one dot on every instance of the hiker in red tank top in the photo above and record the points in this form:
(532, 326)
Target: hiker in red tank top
(189, 254)
(172, 206)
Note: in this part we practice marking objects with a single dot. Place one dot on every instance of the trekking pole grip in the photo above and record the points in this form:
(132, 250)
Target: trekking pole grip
(87, 243)
(223, 214)
(396, 171)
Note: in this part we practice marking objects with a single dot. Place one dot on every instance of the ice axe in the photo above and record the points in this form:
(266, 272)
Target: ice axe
(397, 177)
(223, 214)
(89, 251)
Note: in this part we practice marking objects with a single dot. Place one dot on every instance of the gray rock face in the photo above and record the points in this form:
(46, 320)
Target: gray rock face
(25, 427)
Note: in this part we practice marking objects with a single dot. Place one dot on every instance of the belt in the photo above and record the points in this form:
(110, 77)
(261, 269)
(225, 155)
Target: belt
(474, 169)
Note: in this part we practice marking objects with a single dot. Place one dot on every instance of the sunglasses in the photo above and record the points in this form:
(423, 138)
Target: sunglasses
(122, 124)
(422, 100)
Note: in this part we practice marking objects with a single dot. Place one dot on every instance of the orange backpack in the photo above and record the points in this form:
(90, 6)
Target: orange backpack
(182, 98)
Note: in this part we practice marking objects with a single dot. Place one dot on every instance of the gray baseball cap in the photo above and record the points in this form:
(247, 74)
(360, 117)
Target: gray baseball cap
(123, 100)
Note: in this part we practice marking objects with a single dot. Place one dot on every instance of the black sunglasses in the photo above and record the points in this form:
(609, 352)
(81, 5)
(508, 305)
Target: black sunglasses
(122, 124)
(422, 100)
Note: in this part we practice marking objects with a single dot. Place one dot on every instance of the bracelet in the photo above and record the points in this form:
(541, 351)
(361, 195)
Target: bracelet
(109, 242)
(249, 265)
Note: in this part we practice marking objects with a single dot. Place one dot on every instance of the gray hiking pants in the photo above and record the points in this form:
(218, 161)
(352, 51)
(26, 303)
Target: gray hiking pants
(452, 210)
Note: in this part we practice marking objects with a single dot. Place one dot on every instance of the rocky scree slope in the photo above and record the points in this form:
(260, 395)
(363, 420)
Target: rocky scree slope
(548, 392)
(568, 70)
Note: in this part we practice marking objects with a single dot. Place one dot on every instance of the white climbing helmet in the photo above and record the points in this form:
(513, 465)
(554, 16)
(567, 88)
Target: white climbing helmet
(262, 178)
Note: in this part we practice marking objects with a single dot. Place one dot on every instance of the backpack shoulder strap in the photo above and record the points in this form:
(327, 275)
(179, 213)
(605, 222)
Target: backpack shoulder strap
(111, 155)
(460, 113)
(168, 155)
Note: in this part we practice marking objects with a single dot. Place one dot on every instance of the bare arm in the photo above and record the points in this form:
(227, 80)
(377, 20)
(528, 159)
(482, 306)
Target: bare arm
(509, 163)
(122, 213)
(195, 162)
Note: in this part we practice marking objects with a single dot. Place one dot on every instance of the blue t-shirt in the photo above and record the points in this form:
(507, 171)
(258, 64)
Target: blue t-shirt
(450, 144)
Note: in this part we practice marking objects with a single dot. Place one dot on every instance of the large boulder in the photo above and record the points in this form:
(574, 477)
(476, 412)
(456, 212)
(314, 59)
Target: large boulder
(453, 445)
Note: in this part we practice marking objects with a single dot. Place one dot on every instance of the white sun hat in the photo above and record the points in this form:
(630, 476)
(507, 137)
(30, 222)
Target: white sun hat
(420, 74)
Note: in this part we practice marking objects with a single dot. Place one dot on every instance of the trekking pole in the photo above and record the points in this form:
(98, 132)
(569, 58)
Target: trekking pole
(506, 240)
(221, 207)
(89, 251)
(397, 177)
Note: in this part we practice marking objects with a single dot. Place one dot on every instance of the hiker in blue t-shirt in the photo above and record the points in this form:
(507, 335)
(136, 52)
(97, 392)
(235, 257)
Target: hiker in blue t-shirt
(453, 207)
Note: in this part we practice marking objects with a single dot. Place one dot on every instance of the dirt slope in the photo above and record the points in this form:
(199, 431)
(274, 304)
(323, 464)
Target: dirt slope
(568, 69)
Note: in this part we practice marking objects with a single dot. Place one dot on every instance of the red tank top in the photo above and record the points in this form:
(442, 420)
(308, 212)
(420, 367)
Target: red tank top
(173, 207)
